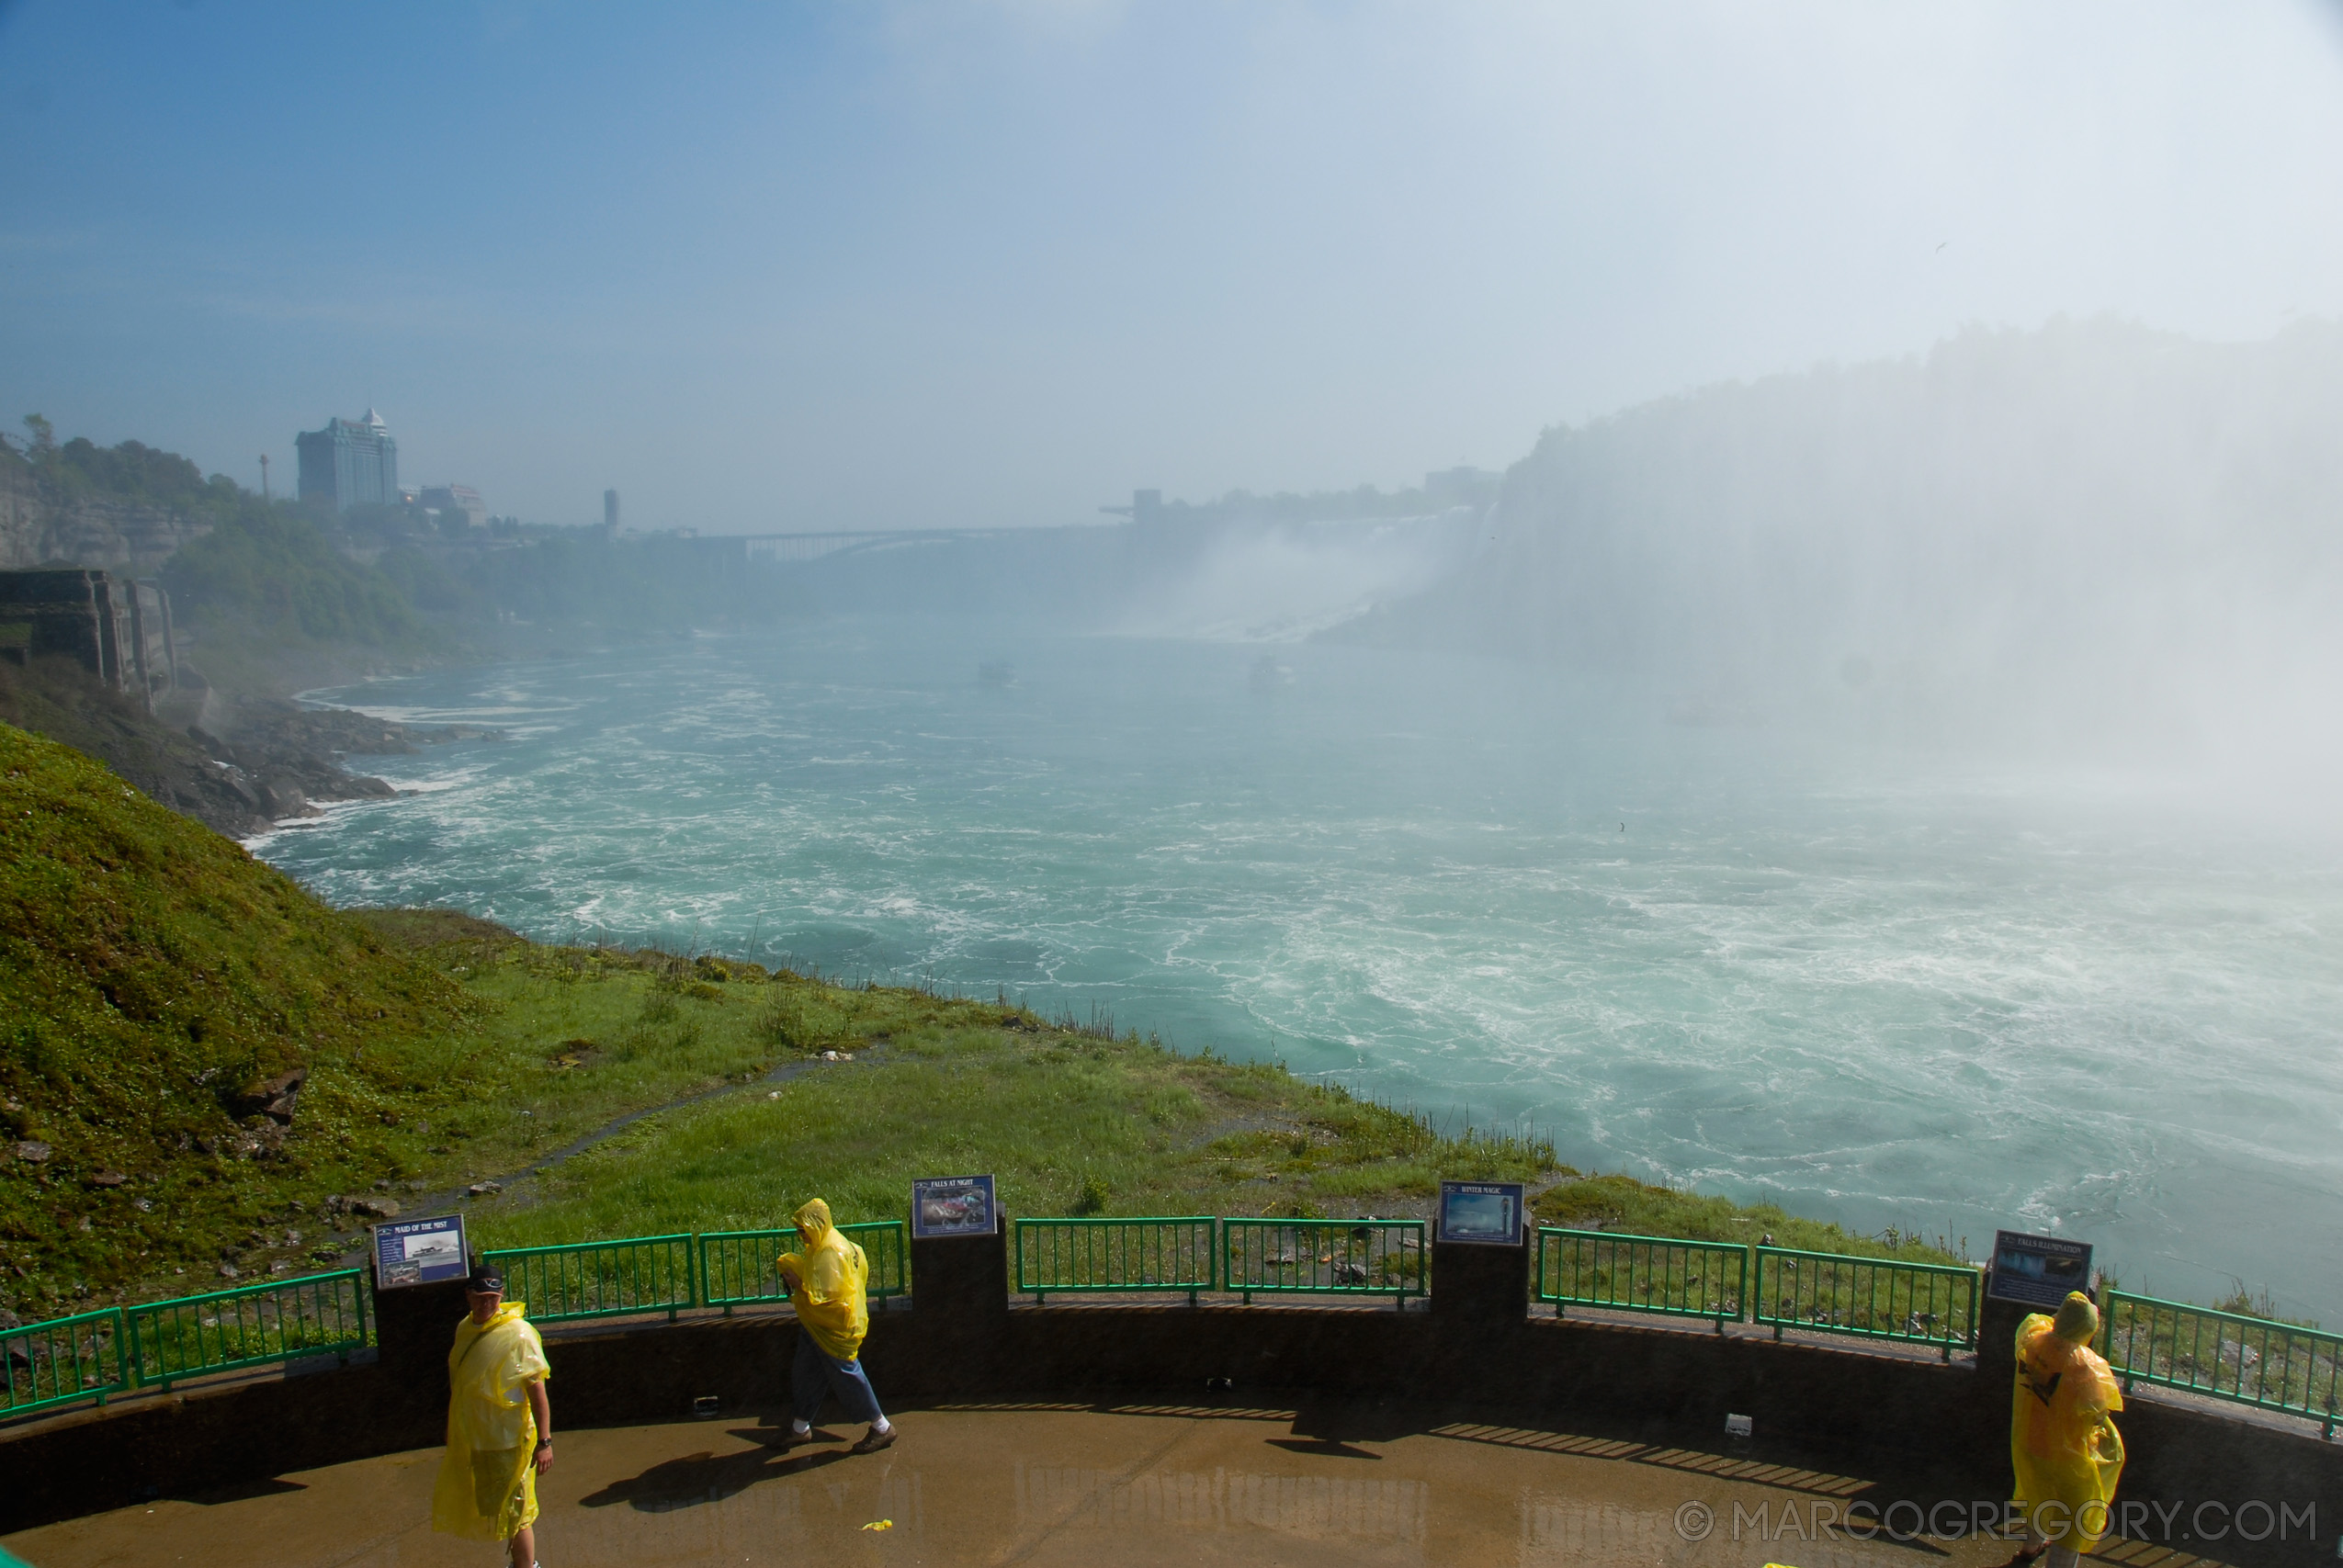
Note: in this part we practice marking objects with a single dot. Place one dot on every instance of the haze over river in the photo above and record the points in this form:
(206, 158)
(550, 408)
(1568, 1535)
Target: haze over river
(1868, 984)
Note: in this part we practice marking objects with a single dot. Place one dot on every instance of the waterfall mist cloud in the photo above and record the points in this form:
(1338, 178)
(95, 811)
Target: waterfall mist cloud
(770, 267)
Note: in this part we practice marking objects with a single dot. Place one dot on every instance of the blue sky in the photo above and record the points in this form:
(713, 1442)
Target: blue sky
(774, 267)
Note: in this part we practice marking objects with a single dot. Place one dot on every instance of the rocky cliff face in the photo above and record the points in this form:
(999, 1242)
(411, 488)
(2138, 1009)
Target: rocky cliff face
(93, 531)
(269, 760)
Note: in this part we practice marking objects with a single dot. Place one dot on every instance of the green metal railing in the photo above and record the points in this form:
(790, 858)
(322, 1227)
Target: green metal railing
(738, 1268)
(601, 1278)
(1643, 1273)
(318, 1315)
(1323, 1258)
(1063, 1257)
(886, 1246)
(2249, 1361)
(1877, 1298)
(64, 1360)
(2272, 1366)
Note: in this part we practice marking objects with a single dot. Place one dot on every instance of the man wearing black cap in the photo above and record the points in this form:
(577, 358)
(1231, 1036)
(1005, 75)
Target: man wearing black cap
(500, 1424)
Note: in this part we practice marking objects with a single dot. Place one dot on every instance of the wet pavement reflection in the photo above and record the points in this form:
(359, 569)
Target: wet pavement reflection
(1130, 1485)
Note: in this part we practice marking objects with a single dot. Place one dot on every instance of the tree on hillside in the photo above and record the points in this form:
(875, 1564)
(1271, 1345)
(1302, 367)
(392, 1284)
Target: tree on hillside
(267, 568)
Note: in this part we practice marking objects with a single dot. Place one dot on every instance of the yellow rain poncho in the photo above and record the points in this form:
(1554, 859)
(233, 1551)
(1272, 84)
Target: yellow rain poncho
(487, 1486)
(2062, 1443)
(832, 1272)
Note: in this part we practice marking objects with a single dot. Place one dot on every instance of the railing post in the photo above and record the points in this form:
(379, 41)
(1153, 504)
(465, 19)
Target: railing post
(413, 1327)
(1480, 1283)
(960, 1291)
(1997, 1322)
(138, 1356)
(962, 1277)
(122, 1378)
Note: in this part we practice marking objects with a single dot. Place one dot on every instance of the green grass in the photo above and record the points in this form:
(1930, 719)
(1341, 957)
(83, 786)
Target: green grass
(1623, 1204)
(1067, 1121)
(149, 970)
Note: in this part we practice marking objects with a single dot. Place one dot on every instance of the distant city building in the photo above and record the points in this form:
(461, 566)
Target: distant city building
(610, 510)
(351, 462)
(444, 499)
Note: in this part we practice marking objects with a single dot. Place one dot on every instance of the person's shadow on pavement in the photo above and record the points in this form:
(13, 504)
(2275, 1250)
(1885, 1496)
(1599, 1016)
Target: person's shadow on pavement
(699, 1478)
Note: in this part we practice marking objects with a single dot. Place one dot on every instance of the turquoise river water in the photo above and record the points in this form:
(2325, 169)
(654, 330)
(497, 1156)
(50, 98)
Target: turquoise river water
(1867, 986)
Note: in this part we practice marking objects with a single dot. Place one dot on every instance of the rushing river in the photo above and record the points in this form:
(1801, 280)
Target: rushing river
(1861, 984)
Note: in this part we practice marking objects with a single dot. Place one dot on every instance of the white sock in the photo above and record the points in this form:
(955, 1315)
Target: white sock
(881, 1425)
(799, 1428)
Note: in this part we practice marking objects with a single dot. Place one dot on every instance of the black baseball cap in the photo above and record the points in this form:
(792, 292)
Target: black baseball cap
(485, 1280)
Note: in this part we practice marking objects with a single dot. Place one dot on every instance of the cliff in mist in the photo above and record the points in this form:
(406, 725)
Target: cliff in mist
(130, 515)
(2091, 532)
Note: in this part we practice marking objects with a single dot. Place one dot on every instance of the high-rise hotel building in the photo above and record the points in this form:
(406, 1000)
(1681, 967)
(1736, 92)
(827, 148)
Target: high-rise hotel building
(350, 462)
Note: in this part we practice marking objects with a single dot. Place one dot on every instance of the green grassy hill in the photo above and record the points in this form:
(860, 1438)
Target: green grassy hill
(151, 973)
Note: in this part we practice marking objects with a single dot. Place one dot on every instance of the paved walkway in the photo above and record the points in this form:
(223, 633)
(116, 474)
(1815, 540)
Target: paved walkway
(1130, 1487)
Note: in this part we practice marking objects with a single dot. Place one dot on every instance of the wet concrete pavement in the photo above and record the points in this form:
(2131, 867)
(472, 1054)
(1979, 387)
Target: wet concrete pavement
(1131, 1486)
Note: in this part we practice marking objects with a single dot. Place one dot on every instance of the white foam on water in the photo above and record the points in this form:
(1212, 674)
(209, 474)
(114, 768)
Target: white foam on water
(1878, 992)
(435, 783)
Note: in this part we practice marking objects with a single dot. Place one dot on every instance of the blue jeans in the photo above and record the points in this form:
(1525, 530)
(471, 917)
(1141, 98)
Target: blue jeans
(815, 1374)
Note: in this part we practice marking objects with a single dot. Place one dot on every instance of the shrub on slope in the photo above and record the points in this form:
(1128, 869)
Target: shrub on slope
(153, 975)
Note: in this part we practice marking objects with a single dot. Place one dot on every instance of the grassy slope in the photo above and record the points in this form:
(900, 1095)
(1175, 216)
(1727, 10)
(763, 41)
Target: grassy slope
(58, 699)
(149, 969)
(938, 1085)
(1620, 1204)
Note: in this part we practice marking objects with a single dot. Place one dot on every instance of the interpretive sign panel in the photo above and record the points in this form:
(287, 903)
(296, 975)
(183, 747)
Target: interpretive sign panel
(420, 1252)
(953, 1205)
(1484, 1211)
(2038, 1271)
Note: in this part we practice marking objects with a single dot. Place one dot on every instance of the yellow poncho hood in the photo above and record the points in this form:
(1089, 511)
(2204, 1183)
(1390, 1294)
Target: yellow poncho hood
(832, 1273)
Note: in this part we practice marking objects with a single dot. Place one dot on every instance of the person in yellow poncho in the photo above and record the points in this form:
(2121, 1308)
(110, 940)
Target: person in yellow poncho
(2063, 1444)
(500, 1424)
(826, 1281)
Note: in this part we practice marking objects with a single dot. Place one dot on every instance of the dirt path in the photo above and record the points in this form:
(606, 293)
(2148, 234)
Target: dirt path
(524, 1188)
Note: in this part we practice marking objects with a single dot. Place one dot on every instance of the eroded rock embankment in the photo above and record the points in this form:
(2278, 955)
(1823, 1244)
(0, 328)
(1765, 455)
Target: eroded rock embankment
(280, 759)
(242, 765)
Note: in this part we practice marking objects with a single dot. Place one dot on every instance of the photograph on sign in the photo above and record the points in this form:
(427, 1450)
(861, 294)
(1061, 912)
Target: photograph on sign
(952, 1205)
(1484, 1211)
(2038, 1271)
(420, 1252)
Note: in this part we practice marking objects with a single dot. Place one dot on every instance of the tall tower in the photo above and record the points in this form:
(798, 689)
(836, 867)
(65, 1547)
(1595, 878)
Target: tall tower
(610, 510)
